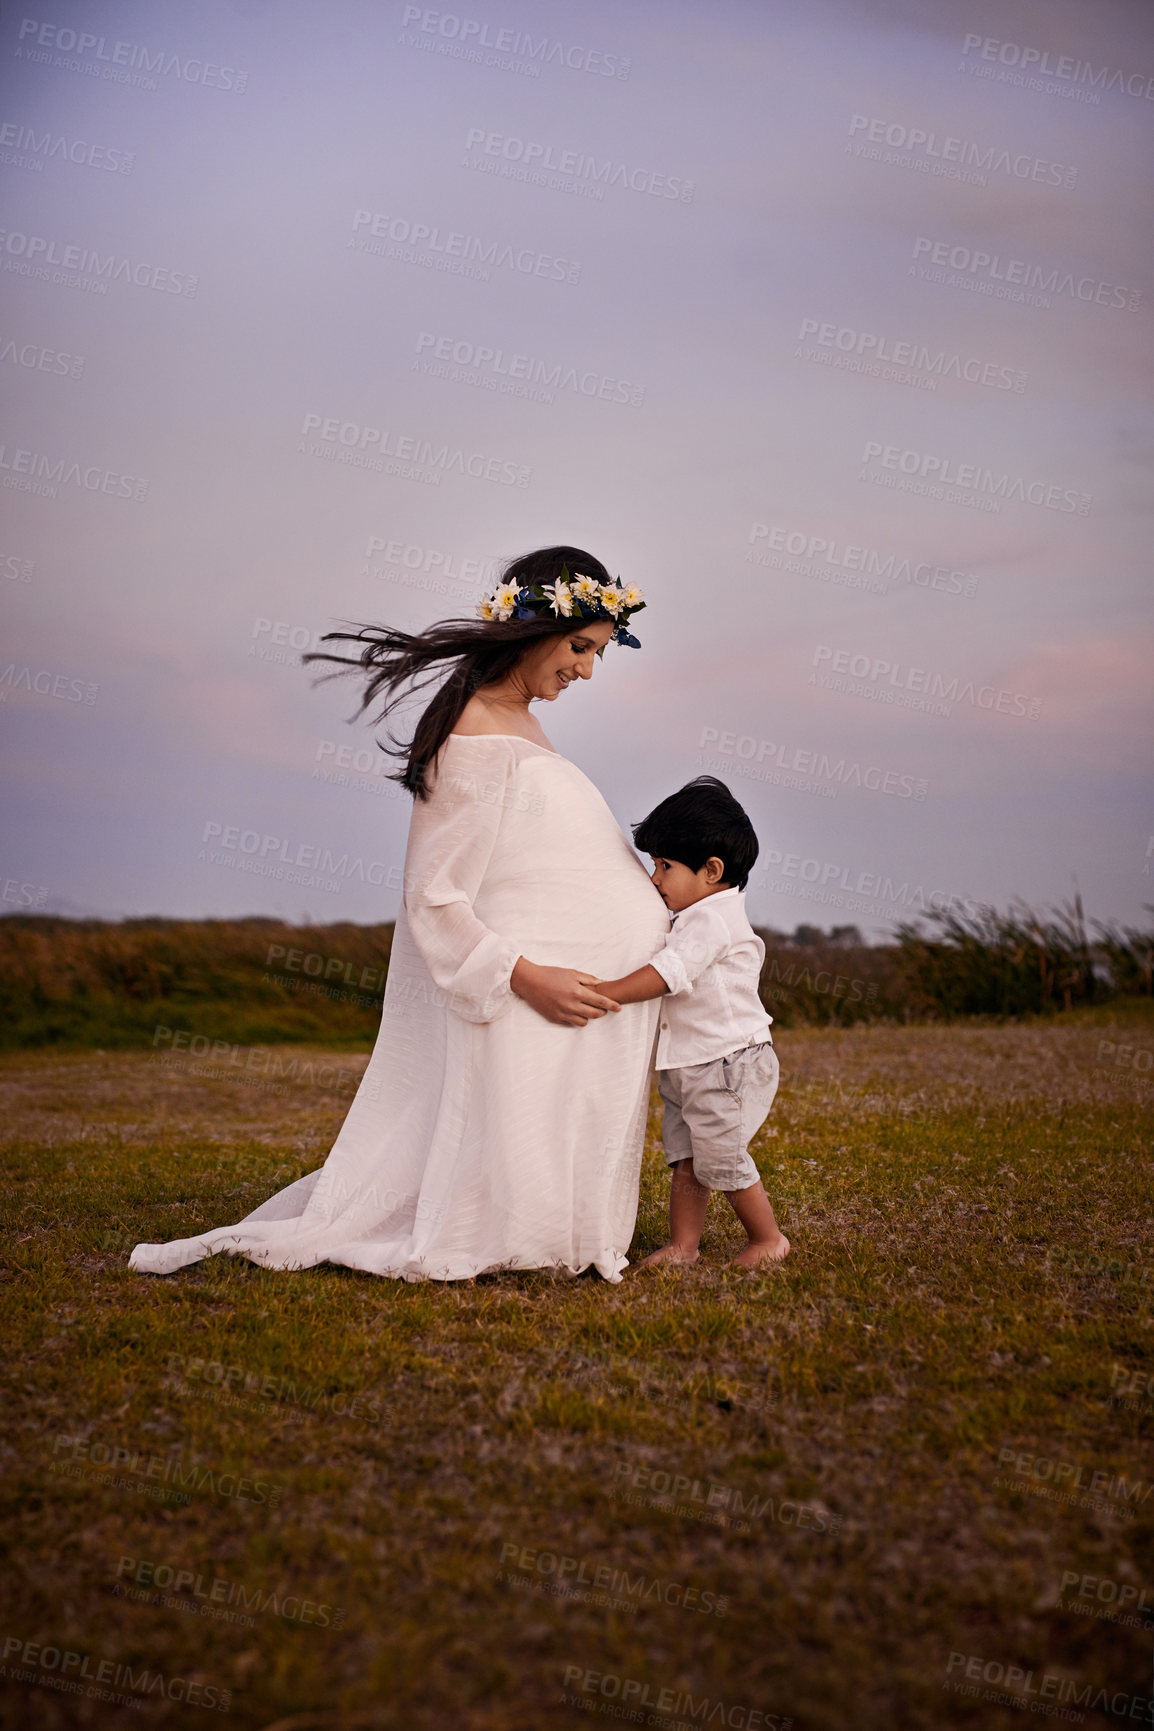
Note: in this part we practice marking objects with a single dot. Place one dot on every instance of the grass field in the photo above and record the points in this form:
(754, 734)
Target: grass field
(903, 1475)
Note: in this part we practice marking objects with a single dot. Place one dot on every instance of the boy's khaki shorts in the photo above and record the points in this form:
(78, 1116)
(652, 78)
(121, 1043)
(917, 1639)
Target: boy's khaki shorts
(713, 1111)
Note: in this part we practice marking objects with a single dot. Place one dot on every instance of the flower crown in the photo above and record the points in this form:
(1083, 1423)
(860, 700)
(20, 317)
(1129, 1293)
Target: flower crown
(568, 598)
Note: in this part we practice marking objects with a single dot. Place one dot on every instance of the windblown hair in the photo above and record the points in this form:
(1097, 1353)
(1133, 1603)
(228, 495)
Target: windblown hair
(702, 820)
(468, 653)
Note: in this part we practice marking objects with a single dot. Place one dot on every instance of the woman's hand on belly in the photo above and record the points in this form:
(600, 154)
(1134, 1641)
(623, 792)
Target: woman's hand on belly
(561, 995)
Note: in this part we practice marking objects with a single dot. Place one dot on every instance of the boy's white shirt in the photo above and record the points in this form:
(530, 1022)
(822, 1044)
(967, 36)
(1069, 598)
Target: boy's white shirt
(711, 962)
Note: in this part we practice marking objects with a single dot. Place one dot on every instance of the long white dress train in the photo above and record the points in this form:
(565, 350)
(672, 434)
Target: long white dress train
(483, 1136)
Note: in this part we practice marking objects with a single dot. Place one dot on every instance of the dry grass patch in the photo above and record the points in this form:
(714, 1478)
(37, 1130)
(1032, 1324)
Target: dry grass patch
(809, 1463)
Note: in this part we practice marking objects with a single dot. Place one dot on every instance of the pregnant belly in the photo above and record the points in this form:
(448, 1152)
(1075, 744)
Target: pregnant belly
(605, 920)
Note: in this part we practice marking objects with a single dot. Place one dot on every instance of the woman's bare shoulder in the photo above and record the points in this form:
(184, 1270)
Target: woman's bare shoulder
(477, 720)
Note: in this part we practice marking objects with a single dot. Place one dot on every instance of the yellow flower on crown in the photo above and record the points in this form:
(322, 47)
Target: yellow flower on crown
(504, 600)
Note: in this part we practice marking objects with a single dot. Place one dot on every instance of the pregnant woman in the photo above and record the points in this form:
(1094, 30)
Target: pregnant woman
(499, 1123)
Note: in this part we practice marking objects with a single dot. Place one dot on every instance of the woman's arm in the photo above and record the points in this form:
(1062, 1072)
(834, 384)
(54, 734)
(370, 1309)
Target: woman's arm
(635, 988)
(451, 840)
(452, 836)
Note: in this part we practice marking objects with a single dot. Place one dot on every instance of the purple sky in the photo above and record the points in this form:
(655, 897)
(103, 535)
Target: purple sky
(830, 325)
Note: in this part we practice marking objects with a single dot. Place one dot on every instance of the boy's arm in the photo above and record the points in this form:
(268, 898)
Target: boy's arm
(635, 988)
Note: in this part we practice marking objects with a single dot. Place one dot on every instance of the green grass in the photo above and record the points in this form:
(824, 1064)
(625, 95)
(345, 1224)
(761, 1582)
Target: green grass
(971, 1218)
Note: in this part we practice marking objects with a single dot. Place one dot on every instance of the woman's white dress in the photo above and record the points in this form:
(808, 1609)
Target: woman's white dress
(483, 1136)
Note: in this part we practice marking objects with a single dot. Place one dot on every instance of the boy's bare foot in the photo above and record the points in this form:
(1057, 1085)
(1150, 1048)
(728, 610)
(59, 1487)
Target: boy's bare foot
(773, 1250)
(669, 1253)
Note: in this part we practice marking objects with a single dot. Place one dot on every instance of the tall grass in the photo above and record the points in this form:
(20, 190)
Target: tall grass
(70, 984)
(1021, 963)
(817, 980)
(77, 983)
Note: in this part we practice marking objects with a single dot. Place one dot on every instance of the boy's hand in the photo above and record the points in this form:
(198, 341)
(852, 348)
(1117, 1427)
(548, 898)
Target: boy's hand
(561, 995)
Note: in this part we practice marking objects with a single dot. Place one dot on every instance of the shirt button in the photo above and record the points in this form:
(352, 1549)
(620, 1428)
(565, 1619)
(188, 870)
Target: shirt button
(665, 1027)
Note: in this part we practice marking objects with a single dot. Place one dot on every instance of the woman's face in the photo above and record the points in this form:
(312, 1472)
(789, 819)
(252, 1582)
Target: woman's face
(549, 666)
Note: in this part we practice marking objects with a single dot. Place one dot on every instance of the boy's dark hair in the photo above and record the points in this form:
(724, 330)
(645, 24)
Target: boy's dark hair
(699, 821)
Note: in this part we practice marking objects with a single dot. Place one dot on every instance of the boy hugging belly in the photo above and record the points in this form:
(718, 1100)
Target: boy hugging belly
(718, 1071)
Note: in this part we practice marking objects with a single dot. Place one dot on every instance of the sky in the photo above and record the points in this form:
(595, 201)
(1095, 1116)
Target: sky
(830, 326)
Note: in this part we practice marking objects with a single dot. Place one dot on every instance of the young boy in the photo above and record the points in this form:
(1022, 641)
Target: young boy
(718, 1071)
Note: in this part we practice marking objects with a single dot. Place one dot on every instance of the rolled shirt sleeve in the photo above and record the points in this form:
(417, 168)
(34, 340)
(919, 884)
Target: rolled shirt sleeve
(694, 944)
(451, 841)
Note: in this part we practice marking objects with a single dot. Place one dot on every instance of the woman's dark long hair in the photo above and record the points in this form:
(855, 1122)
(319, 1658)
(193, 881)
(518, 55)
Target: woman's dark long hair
(476, 652)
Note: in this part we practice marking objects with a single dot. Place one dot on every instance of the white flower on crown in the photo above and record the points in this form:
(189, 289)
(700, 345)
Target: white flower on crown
(504, 600)
(561, 597)
(485, 610)
(633, 596)
(610, 597)
(585, 589)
